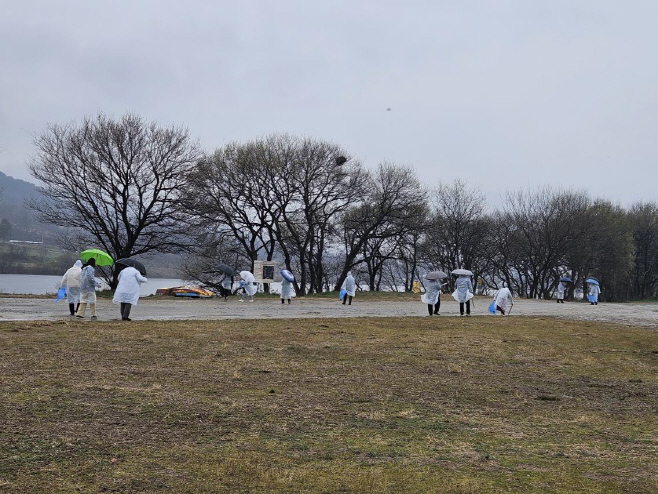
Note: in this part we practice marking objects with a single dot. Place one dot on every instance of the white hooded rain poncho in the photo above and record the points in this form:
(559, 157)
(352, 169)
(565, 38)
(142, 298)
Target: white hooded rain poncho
(349, 285)
(594, 292)
(88, 285)
(250, 285)
(464, 289)
(71, 281)
(286, 289)
(503, 299)
(432, 292)
(127, 291)
(560, 291)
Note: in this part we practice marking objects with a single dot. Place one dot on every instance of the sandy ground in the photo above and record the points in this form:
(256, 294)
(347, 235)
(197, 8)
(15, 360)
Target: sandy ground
(16, 309)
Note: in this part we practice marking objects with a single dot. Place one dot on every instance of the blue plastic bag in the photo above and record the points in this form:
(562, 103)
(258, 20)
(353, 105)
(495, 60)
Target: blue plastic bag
(591, 298)
(341, 294)
(61, 293)
(492, 308)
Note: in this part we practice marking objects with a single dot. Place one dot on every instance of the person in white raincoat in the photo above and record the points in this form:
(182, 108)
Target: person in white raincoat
(349, 285)
(432, 296)
(226, 286)
(503, 300)
(71, 281)
(286, 290)
(594, 292)
(88, 287)
(560, 292)
(463, 293)
(127, 293)
(249, 286)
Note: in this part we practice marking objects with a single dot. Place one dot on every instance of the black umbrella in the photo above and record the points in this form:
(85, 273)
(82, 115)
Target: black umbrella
(226, 269)
(132, 263)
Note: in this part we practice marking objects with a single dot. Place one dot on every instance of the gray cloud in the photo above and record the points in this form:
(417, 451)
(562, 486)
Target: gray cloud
(503, 94)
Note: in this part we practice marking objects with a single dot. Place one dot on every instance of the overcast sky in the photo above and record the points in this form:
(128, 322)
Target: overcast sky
(502, 94)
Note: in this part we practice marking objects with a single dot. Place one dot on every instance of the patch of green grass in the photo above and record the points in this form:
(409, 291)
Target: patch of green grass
(35, 259)
(354, 405)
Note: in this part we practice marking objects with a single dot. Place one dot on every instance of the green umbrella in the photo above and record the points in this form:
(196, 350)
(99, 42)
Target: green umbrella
(102, 258)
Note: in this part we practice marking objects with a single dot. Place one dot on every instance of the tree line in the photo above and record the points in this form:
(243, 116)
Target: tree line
(134, 188)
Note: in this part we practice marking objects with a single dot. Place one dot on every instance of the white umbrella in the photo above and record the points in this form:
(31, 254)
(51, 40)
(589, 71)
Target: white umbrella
(435, 275)
(462, 272)
(247, 276)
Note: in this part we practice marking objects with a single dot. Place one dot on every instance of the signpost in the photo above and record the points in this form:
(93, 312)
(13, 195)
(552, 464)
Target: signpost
(264, 271)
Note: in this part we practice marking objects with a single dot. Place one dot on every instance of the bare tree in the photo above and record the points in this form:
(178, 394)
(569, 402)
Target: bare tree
(118, 182)
(457, 235)
(392, 200)
(228, 193)
(409, 255)
(604, 250)
(277, 193)
(643, 219)
(390, 241)
(317, 186)
(535, 232)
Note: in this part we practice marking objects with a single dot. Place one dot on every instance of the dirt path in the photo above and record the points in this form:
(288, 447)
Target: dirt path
(12, 309)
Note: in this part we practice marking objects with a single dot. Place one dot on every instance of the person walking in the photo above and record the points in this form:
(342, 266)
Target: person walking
(503, 300)
(432, 296)
(71, 282)
(249, 285)
(349, 285)
(226, 285)
(127, 292)
(87, 290)
(560, 292)
(593, 293)
(463, 293)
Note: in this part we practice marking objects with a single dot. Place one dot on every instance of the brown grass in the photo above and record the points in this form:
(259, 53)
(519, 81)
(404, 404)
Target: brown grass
(349, 405)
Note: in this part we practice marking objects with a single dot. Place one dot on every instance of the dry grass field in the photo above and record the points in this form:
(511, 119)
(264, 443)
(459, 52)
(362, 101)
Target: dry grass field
(408, 404)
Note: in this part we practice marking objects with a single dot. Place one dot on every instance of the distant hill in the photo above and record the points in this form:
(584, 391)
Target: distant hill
(25, 258)
(15, 191)
(24, 225)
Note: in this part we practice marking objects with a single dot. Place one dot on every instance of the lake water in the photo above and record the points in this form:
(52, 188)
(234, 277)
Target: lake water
(41, 285)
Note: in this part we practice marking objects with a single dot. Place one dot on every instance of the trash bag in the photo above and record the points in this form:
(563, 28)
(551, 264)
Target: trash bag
(61, 293)
(492, 308)
(341, 294)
